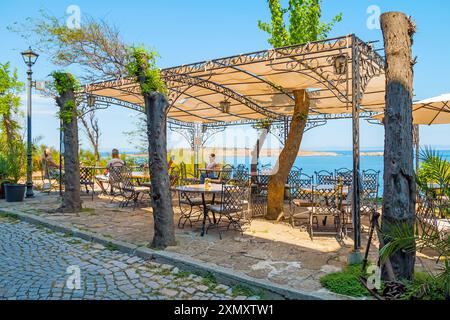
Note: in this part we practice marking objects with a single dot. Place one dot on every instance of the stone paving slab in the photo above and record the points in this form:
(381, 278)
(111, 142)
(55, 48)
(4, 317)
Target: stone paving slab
(39, 264)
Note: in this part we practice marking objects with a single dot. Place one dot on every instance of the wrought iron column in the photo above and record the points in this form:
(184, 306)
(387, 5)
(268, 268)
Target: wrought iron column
(356, 88)
(416, 132)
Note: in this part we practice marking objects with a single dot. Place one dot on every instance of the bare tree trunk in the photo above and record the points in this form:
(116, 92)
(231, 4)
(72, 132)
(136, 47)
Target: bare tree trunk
(156, 106)
(277, 182)
(71, 199)
(399, 178)
(93, 133)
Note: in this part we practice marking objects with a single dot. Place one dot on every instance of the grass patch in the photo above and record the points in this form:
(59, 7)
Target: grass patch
(9, 217)
(89, 211)
(345, 282)
(182, 275)
(209, 280)
(240, 290)
(74, 242)
(111, 247)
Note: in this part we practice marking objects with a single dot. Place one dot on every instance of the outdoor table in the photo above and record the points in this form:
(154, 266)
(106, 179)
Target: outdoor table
(213, 189)
(139, 175)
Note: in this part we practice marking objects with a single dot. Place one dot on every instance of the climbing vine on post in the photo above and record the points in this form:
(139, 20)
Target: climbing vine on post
(65, 86)
(142, 67)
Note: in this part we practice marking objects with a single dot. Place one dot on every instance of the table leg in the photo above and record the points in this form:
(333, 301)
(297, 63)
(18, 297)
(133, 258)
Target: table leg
(205, 214)
(214, 215)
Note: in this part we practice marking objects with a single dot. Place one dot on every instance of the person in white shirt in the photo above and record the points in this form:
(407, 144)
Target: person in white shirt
(209, 166)
(115, 162)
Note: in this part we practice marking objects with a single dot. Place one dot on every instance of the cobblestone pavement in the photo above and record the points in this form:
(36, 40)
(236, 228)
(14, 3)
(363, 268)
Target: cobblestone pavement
(38, 264)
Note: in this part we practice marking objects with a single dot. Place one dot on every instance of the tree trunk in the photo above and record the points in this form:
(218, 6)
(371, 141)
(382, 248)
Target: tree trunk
(399, 178)
(71, 198)
(156, 106)
(277, 182)
(257, 150)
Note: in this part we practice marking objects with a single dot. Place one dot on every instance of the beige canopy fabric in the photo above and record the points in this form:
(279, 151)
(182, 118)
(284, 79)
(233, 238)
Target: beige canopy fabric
(429, 111)
(432, 111)
(260, 85)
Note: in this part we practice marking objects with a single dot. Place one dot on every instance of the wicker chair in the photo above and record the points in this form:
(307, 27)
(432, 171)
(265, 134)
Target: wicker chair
(50, 179)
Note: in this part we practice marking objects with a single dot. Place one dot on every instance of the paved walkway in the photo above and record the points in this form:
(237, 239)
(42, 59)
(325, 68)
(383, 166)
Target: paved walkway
(39, 264)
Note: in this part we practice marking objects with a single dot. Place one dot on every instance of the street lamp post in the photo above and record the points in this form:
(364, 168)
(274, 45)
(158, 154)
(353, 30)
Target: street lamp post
(29, 57)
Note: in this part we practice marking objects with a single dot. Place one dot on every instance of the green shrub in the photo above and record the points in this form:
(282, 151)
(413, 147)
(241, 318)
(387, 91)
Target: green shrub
(345, 282)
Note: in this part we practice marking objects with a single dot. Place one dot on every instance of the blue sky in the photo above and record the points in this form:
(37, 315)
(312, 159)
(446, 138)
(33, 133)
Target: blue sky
(197, 30)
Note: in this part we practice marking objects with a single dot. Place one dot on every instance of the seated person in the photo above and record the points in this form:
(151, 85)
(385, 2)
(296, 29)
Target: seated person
(212, 165)
(51, 168)
(115, 162)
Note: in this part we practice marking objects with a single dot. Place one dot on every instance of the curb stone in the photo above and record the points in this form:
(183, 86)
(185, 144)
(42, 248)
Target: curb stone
(223, 275)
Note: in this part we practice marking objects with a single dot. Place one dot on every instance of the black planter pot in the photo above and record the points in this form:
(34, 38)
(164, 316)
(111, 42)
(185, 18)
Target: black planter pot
(15, 192)
(2, 189)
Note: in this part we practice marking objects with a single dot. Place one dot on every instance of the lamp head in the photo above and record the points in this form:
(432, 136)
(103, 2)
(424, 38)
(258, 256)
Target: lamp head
(29, 57)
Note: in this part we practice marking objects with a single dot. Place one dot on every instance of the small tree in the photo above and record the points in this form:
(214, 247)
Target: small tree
(10, 89)
(66, 86)
(304, 26)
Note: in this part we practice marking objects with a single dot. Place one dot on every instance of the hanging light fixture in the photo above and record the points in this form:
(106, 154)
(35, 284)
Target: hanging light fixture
(340, 64)
(91, 100)
(225, 106)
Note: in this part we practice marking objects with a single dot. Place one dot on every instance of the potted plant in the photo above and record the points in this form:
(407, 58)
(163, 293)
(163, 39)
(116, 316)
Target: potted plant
(3, 175)
(15, 169)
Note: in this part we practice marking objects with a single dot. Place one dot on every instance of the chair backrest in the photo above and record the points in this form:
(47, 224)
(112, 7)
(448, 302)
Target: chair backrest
(127, 180)
(116, 177)
(240, 173)
(263, 180)
(324, 177)
(294, 176)
(183, 172)
(327, 200)
(302, 188)
(345, 175)
(371, 180)
(175, 178)
(87, 175)
(234, 198)
(227, 173)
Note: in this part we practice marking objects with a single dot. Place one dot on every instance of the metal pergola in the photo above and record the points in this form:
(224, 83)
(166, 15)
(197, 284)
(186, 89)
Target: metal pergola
(344, 77)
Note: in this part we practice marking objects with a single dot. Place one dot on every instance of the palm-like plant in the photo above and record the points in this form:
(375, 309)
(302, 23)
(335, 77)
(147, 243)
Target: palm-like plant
(433, 217)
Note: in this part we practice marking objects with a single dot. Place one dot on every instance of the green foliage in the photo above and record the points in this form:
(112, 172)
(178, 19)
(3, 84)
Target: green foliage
(304, 23)
(142, 67)
(345, 282)
(425, 234)
(12, 161)
(434, 169)
(10, 90)
(96, 47)
(426, 287)
(65, 83)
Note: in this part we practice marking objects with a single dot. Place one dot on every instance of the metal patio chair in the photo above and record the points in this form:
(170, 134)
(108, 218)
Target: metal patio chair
(130, 191)
(324, 178)
(344, 175)
(300, 197)
(326, 203)
(233, 207)
(87, 175)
